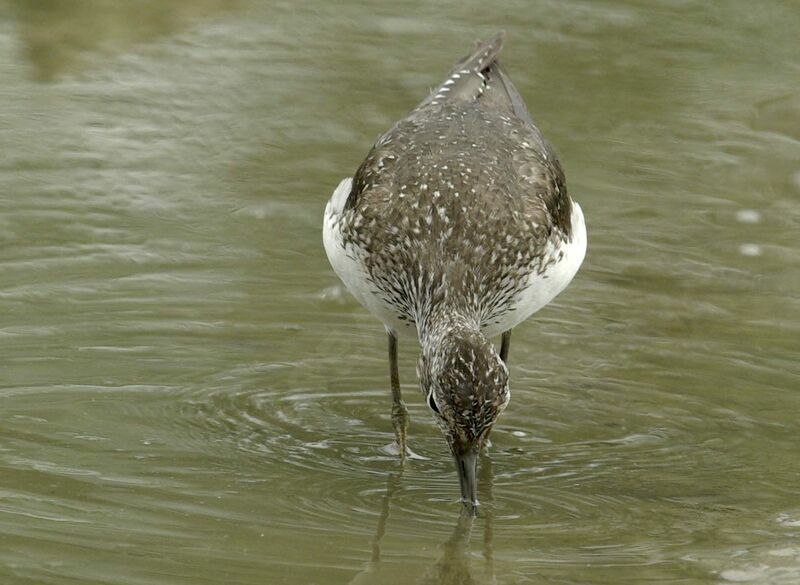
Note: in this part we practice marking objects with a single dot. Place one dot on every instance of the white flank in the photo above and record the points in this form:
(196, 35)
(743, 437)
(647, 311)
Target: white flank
(543, 288)
(339, 197)
(348, 266)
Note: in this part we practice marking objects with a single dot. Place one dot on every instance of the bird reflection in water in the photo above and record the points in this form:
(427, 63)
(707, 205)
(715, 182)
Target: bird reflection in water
(454, 565)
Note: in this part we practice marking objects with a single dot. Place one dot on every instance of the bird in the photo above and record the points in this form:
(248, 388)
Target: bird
(455, 228)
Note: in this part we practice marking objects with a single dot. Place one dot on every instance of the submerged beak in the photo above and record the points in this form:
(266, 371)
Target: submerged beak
(467, 465)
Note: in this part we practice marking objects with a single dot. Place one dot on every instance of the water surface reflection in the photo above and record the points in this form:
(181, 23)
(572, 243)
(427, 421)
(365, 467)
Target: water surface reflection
(59, 36)
(454, 565)
(182, 401)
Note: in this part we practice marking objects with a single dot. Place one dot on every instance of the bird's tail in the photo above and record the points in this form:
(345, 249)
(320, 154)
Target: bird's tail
(466, 80)
(479, 76)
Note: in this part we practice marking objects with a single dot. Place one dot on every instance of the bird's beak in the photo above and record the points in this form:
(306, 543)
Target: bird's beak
(467, 465)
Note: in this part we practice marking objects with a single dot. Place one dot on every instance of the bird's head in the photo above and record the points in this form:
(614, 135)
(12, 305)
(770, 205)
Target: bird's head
(466, 387)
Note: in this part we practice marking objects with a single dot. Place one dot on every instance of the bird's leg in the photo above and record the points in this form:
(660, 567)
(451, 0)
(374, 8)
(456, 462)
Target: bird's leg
(505, 345)
(399, 410)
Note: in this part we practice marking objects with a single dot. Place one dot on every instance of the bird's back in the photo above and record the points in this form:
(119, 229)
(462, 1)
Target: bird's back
(461, 201)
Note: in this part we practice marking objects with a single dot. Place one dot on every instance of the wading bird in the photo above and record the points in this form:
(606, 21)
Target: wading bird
(455, 228)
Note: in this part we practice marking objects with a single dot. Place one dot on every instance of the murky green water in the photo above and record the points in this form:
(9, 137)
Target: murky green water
(187, 395)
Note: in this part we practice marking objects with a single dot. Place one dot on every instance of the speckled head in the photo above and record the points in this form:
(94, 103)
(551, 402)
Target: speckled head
(466, 386)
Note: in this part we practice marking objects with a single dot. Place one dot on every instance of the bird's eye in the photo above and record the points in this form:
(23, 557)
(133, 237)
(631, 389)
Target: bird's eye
(432, 403)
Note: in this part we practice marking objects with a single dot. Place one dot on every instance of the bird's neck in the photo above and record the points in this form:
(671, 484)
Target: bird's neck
(443, 322)
(447, 336)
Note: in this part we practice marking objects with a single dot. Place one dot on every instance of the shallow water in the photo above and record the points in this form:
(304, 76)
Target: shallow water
(189, 396)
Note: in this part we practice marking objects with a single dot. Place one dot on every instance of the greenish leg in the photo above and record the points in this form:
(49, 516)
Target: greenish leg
(505, 345)
(399, 410)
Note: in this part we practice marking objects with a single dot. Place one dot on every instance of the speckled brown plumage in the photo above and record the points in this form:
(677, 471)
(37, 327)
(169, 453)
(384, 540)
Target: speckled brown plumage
(451, 228)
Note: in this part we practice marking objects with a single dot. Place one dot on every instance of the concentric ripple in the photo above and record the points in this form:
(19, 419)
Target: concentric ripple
(187, 395)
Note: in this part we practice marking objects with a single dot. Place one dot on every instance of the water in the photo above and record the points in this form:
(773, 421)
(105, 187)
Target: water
(189, 396)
